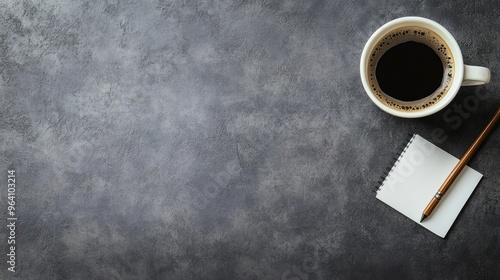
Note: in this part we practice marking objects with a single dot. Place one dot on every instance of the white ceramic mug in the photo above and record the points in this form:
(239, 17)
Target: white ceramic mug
(462, 75)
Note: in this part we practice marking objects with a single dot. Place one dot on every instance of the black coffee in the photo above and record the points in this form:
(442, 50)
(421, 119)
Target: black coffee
(410, 68)
(409, 71)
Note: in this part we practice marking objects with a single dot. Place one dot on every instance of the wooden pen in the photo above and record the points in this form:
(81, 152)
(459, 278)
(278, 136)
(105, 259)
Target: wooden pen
(460, 165)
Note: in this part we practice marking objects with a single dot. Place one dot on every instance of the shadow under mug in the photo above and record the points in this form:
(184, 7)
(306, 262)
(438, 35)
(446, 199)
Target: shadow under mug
(456, 73)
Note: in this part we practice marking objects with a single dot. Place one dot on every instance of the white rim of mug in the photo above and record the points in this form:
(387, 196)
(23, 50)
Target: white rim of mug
(444, 34)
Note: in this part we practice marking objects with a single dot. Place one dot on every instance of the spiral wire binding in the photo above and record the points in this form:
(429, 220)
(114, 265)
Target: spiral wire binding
(401, 149)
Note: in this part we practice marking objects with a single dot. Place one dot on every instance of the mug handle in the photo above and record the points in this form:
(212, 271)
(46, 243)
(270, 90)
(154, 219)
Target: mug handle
(475, 75)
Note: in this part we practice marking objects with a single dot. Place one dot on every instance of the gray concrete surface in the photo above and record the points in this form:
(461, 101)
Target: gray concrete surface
(225, 140)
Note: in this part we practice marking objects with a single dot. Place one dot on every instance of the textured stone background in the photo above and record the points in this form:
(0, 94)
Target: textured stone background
(225, 140)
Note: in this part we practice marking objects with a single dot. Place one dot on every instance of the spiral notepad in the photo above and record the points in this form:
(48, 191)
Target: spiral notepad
(416, 175)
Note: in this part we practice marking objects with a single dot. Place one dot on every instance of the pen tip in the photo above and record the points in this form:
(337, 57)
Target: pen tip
(423, 217)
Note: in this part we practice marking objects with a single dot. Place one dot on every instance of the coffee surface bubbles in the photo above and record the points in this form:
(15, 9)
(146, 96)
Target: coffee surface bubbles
(411, 69)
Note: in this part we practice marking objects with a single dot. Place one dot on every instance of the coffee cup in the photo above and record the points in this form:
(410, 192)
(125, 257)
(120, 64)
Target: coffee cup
(412, 67)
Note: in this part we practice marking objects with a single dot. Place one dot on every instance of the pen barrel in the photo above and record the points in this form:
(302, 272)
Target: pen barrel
(461, 164)
(481, 137)
(430, 207)
(469, 153)
(452, 176)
